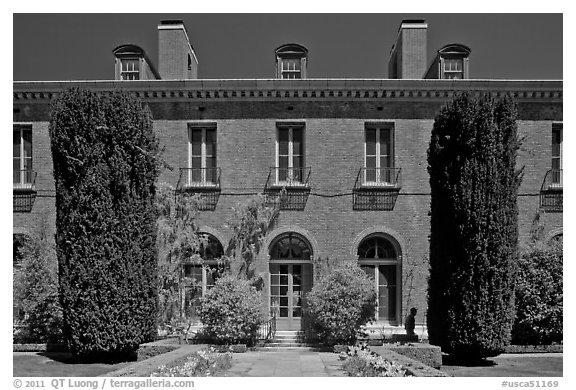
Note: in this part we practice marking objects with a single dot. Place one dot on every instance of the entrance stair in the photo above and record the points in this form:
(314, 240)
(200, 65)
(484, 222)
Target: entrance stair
(288, 340)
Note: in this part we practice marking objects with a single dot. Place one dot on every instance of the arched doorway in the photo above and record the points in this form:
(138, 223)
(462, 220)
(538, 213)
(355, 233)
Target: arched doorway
(378, 258)
(290, 279)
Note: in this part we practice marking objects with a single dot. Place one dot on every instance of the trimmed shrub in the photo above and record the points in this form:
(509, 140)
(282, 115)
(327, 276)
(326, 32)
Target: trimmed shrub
(340, 304)
(539, 293)
(105, 168)
(231, 311)
(474, 226)
(36, 292)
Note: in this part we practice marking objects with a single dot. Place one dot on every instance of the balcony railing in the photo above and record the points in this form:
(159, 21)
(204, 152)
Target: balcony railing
(551, 192)
(199, 178)
(288, 177)
(379, 178)
(553, 180)
(24, 180)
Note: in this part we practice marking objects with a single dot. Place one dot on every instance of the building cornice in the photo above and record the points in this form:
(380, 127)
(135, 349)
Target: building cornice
(309, 89)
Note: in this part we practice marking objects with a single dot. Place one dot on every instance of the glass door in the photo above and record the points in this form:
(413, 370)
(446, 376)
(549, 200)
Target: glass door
(286, 295)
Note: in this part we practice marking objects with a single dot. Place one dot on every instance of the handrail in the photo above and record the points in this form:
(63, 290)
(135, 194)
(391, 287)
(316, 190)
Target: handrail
(267, 329)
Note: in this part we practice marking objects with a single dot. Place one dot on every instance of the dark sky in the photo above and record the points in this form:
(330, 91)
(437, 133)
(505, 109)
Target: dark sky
(79, 46)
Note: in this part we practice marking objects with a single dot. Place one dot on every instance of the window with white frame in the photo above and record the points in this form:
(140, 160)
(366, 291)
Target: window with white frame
(453, 68)
(202, 159)
(377, 257)
(130, 69)
(291, 68)
(290, 154)
(557, 155)
(379, 158)
(23, 174)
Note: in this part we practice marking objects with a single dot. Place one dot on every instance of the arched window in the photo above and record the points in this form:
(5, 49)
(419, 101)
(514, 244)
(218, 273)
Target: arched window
(291, 246)
(378, 257)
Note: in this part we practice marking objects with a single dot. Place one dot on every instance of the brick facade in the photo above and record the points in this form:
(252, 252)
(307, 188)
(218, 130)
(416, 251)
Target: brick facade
(334, 114)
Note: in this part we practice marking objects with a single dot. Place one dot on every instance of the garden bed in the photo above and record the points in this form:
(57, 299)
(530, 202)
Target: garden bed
(412, 366)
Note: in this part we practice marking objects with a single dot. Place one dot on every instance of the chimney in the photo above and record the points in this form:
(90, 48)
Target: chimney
(176, 57)
(408, 55)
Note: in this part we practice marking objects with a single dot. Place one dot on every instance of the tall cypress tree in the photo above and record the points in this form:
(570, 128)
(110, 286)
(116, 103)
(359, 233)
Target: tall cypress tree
(105, 168)
(474, 233)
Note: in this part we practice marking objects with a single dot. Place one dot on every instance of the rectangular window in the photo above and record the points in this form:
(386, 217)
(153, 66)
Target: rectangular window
(130, 69)
(557, 154)
(23, 174)
(290, 155)
(379, 159)
(453, 68)
(203, 169)
(291, 68)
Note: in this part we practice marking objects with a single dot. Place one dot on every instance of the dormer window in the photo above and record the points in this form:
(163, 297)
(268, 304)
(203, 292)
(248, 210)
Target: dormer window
(130, 69)
(291, 68)
(132, 63)
(451, 63)
(453, 68)
(291, 61)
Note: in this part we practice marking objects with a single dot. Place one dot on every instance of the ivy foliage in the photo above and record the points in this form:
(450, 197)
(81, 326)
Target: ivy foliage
(250, 223)
(474, 233)
(341, 302)
(179, 242)
(105, 158)
(231, 311)
(539, 294)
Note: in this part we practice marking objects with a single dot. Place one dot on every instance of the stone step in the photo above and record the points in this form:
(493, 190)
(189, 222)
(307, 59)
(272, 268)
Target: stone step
(285, 344)
(281, 349)
(286, 341)
(282, 337)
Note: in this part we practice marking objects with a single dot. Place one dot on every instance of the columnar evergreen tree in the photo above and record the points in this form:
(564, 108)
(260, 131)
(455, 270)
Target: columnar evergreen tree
(474, 233)
(105, 158)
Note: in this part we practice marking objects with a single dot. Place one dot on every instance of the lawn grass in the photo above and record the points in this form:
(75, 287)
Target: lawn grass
(58, 364)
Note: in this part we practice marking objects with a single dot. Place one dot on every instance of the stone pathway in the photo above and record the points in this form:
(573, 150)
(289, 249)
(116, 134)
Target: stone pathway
(285, 364)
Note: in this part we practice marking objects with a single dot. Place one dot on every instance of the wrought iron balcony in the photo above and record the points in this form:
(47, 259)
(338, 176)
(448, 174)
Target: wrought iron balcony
(551, 192)
(24, 180)
(553, 180)
(384, 178)
(376, 188)
(288, 177)
(199, 178)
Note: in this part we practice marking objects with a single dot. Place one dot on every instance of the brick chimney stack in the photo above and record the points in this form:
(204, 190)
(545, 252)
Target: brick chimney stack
(176, 57)
(408, 55)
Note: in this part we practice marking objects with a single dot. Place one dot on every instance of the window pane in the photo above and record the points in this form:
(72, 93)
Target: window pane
(283, 163)
(28, 167)
(370, 142)
(196, 162)
(210, 147)
(297, 141)
(27, 137)
(16, 167)
(387, 275)
(16, 144)
(283, 141)
(370, 162)
(197, 142)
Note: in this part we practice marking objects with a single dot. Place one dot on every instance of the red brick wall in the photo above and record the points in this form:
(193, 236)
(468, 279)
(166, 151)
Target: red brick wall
(334, 139)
